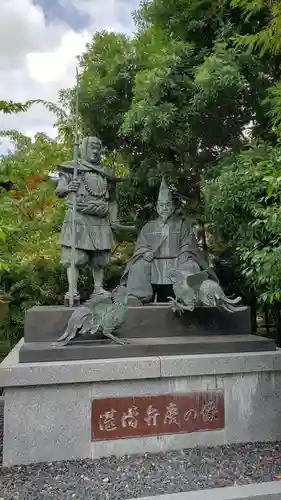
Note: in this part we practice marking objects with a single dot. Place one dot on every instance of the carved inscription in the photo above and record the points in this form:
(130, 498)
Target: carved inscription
(114, 418)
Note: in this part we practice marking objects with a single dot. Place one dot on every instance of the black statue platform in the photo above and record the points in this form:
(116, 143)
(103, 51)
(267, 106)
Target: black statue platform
(151, 330)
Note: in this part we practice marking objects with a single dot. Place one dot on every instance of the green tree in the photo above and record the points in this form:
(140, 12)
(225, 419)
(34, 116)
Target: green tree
(243, 205)
(243, 194)
(108, 69)
(9, 107)
(30, 210)
(30, 217)
(176, 96)
(266, 40)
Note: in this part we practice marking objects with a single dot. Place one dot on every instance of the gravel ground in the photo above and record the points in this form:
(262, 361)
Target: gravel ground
(136, 476)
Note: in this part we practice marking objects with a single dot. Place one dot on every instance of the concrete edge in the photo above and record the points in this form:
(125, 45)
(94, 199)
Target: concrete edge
(220, 364)
(13, 357)
(258, 491)
(15, 374)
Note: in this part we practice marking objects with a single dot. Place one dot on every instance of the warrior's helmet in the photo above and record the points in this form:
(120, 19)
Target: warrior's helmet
(85, 143)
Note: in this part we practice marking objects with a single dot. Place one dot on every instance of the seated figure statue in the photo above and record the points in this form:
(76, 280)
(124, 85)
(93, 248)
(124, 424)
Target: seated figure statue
(163, 245)
(167, 254)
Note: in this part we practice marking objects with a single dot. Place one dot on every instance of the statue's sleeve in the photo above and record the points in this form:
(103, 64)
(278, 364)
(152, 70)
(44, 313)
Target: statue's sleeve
(188, 241)
(64, 180)
(189, 248)
(140, 249)
(143, 244)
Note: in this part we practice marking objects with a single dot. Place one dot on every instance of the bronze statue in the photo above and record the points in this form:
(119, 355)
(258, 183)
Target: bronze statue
(167, 253)
(95, 214)
(163, 245)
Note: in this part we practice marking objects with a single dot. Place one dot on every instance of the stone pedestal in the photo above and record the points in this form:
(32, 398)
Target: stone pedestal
(47, 323)
(151, 330)
(86, 409)
(199, 379)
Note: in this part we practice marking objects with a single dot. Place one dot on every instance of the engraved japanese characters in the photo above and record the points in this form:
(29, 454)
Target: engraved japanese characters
(115, 418)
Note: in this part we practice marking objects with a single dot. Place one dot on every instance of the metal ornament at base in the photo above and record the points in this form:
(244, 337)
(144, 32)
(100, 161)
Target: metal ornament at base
(195, 290)
(100, 316)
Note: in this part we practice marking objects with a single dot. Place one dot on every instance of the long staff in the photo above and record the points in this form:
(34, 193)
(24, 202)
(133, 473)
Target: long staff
(74, 200)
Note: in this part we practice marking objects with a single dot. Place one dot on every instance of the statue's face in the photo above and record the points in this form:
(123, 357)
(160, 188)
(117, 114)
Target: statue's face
(165, 209)
(94, 151)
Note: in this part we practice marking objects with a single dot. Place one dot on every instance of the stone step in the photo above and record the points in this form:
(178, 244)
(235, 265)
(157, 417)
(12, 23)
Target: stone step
(137, 347)
(261, 491)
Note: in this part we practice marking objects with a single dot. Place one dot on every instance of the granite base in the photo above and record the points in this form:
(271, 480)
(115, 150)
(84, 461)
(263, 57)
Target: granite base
(150, 330)
(47, 323)
(55, 399)
(137, 347)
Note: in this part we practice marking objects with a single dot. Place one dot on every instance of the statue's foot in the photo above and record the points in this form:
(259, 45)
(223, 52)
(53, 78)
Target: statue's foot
(76, 300)
(115, 339)
(176, 307)
(134, 301)
(99, 290)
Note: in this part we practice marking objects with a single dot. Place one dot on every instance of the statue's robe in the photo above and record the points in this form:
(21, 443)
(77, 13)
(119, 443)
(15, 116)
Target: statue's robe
(93, 218)
(173, 244)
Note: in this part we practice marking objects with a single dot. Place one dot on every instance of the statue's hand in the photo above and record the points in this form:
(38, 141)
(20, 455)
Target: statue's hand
(73, 186)
(148, 256)
(184, 257)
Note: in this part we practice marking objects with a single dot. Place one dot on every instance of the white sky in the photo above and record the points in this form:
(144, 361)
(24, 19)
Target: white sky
(38, 54)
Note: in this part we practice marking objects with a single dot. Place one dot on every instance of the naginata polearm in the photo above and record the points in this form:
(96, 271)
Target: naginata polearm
(74, 200)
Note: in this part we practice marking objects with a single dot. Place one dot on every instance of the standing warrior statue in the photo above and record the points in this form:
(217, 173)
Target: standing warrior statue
(96, 210)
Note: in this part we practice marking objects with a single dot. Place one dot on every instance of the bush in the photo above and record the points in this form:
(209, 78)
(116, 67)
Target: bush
(44, 283)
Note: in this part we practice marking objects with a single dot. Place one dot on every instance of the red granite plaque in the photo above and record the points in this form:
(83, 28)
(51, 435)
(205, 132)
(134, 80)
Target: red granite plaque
(115, 418)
